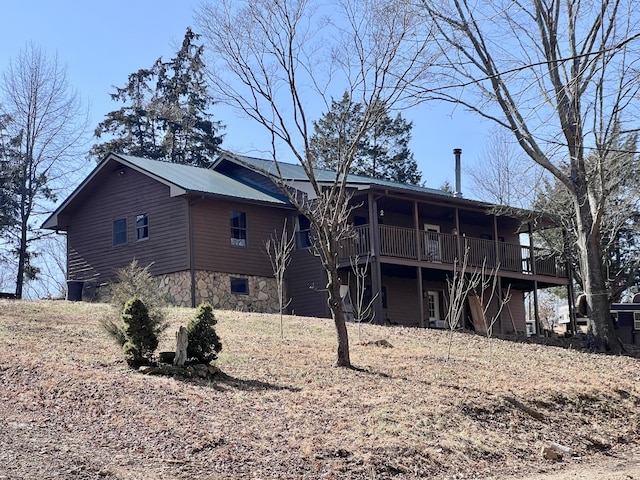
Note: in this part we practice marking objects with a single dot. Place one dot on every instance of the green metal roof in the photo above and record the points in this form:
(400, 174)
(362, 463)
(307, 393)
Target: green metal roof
(295, 172)
(198, 180)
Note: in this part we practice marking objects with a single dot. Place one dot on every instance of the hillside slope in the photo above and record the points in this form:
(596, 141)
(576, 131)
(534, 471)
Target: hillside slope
(70, 407)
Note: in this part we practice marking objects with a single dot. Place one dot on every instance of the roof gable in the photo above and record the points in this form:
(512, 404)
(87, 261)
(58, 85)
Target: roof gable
(181, 180)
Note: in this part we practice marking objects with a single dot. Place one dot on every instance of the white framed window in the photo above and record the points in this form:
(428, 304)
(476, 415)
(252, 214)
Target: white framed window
(433, 305)
(238, 221)
(303, 232)
(119, 231)
(636, 320)
(142, 227)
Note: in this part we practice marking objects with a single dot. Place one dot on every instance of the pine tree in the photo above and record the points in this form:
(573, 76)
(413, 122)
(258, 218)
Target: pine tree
(204, 343)
(383, 151)
(140, 338)
(166, 112)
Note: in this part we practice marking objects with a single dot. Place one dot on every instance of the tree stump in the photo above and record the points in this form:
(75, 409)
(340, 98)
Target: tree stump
(182, 341)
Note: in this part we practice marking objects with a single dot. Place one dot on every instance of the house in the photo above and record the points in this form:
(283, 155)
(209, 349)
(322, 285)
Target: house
(626, 317)
(204, 231)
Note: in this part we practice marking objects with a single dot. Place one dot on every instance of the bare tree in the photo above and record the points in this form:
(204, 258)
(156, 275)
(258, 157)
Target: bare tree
(458, 286)
(483, 285)
(47, 124)
(363, 304)
(279, 248)
(503, 174)
(277, 62)
(561, 76)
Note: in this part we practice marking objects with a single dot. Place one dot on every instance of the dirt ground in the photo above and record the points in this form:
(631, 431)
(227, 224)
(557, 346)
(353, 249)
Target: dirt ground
(421, 405)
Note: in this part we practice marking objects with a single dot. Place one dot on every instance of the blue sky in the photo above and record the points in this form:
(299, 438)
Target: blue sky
(103, 42)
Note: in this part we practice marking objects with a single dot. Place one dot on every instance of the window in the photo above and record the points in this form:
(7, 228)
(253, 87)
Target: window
(142, 226)
(120, 231)
(239, 286)
(239, 229)
(303, 232)
(636, 320)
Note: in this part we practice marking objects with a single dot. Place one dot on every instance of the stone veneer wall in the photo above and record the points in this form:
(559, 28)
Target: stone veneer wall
(215, 288)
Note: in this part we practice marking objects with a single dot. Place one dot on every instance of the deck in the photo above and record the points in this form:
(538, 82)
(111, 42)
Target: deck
(443, 248)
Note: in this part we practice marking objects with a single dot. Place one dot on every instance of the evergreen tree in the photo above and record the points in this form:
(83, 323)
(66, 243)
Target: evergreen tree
(204, 343)
(8, 169)
(165, 115)
(382, 152)
(140, 338)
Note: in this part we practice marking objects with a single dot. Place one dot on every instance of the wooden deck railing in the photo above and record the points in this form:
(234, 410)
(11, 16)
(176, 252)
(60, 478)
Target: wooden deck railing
(406, 243)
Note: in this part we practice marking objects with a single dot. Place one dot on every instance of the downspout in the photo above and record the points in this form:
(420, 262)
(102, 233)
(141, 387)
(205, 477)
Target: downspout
(192, 255)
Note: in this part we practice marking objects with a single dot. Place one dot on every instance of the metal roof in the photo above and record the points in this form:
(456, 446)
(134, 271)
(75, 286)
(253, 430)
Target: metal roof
(189, 179)
(181, 180)
(295, 172)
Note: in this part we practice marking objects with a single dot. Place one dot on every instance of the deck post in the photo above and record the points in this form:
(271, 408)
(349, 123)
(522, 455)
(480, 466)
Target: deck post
(376, 274)
(458, 246)
(420, 297)
(495, 241)
(536, 309)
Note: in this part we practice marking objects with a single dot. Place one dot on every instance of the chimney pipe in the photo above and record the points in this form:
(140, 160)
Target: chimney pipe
(458, 193)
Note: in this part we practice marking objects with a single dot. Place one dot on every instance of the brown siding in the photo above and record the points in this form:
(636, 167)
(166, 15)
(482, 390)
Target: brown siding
(306, 283)
(402, 301)
(91, 254)
(212, 237)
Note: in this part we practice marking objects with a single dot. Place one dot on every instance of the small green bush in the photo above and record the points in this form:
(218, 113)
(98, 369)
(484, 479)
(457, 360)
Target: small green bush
(140, 339)
(204, 343)
(135, 281)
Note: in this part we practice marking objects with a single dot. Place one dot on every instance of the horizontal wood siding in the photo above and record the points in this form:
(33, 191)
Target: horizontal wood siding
(212, 237)
(91, 254)
(402, 301)
(306, 283)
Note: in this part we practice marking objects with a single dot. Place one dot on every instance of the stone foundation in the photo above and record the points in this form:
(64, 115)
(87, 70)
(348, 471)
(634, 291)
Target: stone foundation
(215, 288)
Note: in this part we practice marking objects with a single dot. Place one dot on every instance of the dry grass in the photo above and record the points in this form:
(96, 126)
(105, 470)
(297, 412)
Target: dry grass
(70, 407)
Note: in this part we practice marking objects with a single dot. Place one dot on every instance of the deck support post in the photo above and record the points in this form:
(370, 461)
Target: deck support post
(420, 298)
(536, 306)
(376, 273)
(416, 221)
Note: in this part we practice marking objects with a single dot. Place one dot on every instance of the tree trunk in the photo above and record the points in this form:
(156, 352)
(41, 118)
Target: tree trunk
(182, 341)
(595, 287)
(22, 259)
(337, 313)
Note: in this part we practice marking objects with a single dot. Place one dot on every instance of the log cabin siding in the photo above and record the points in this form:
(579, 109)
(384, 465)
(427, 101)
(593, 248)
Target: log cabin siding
(91, 253)
(213, 250)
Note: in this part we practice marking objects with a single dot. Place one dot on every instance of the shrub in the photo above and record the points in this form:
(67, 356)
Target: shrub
(135, 281)
(140, 339)
(204, 343)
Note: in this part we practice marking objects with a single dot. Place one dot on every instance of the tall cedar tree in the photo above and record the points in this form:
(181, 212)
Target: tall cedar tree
(383, 152)
(620, 231)
(9, 156)
(165, 116)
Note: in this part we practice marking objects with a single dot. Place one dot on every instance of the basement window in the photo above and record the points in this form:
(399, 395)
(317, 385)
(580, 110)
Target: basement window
(239, 286)
(119, 231)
